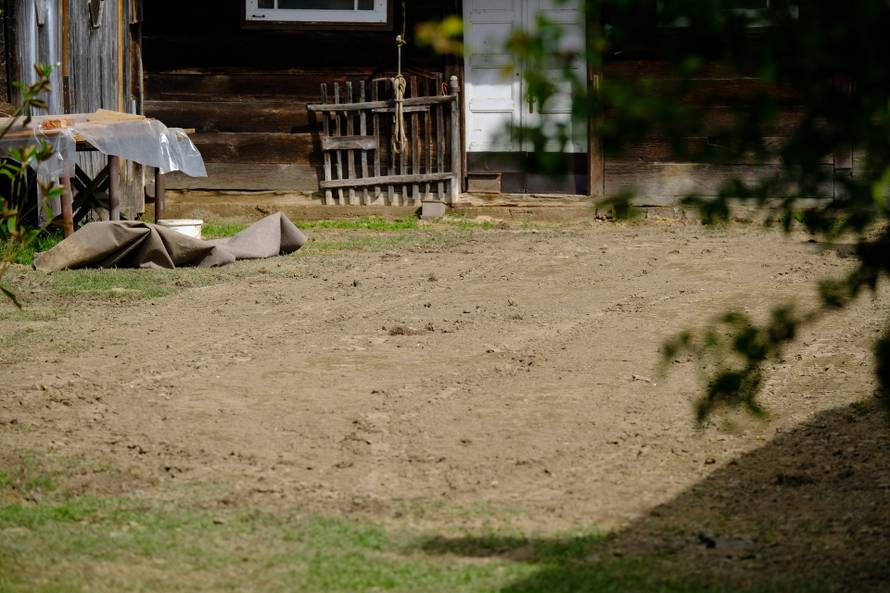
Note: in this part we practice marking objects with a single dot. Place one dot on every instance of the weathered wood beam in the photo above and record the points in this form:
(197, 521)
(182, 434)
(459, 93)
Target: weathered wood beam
(378, 104)
(391, 179)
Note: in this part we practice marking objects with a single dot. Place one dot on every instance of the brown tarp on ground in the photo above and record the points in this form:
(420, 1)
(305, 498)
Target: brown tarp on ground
(132, 244)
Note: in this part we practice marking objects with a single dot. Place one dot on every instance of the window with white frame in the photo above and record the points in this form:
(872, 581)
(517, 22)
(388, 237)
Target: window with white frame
(317, 11)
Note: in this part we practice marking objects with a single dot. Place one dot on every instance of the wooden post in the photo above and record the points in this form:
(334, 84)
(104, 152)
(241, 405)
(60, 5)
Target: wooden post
(326, 130)
(596, 162)
(457, 183)
(114, 188)
(67, 207)
(160, 195)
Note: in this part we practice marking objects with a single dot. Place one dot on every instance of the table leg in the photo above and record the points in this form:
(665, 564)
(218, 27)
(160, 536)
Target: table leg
(160, 195)
(114, 187)
(67, 207)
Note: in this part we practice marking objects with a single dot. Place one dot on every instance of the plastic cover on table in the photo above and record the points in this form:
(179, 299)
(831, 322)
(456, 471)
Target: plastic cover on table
(145, 141)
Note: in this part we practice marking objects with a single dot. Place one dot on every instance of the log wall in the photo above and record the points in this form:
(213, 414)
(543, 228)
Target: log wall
(650, 167)
(245, 91)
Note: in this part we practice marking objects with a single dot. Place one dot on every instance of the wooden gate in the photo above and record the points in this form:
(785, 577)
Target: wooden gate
(360, 163)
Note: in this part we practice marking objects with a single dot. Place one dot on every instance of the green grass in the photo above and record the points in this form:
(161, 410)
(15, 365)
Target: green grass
(51, 541)
(124, 284)
(213, 230)
(468, 223)
(112, 545)
(25, 256)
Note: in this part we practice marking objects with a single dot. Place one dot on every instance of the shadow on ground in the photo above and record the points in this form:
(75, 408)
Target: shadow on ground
(809, 511)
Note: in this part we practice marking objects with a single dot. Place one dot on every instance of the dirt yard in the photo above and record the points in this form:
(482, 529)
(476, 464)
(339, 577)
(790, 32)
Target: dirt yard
(451, 379)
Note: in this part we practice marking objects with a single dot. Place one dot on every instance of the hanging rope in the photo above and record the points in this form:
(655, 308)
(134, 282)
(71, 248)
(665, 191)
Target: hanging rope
(399, 134)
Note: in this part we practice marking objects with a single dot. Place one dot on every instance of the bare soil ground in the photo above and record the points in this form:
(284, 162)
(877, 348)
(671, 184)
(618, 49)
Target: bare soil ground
(448, 378)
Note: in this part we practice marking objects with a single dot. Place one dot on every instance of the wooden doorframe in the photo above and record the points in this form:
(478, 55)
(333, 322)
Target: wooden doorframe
(454, 66)
(596, 162)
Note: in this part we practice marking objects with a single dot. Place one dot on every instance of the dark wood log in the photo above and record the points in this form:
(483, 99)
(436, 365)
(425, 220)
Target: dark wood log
(250, 177)
(215, 115)
(659, 184)
(257, 148)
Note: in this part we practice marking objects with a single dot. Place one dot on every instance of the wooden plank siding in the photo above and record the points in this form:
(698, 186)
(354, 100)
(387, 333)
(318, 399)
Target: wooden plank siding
(98, 68)
(651, 168)
(246, 91)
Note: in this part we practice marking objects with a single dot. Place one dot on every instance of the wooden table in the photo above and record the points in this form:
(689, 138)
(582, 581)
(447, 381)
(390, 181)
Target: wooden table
(88, 187)
(79, 190)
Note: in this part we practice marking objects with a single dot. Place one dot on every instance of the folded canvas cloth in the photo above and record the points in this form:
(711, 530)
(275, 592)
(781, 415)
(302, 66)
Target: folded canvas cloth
(132, 244)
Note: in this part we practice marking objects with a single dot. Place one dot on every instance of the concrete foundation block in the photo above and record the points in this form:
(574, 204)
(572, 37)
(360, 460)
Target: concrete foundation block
(432, 209)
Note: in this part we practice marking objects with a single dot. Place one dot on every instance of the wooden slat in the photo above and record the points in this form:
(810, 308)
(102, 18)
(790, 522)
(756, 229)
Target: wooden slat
(355, 142)
(440, 138)
(392, 179)
(414, 109)
(350, 155)
(337, 133)
(326, 132)
(363, 129)
(403, 169)
(414, 141)
(428, 141)
(375, 131)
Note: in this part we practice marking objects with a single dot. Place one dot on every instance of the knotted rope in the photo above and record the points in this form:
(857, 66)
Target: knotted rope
(399, 134)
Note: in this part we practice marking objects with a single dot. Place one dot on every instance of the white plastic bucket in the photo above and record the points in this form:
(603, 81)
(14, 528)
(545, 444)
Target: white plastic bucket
(186, 226)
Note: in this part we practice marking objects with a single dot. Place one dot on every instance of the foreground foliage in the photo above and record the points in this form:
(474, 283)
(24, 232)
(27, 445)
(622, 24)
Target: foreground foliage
(825, 62)
(16, 232)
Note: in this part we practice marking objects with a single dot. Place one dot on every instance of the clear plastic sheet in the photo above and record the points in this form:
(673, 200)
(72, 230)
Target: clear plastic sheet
(145, 141)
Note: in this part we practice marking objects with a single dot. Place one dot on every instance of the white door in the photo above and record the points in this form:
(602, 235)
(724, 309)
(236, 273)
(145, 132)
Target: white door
(493, 80)
(569, 15)
(495, 98)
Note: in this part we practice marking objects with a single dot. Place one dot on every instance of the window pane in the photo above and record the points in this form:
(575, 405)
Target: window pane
(265, 4)
(317, 4)
(366, 4)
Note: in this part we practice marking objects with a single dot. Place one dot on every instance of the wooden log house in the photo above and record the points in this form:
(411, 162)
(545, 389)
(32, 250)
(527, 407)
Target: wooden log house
(244, 74)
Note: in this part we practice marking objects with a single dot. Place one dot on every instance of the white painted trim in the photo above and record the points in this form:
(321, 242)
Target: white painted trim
(292, 15)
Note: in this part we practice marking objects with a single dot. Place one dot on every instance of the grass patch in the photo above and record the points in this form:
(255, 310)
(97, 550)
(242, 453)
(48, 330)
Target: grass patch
(365, 223)
(468, 223)
(114, 545)
(25, 255)
(121, 284)
(404, 242)
(213, 230)
(50, 541)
